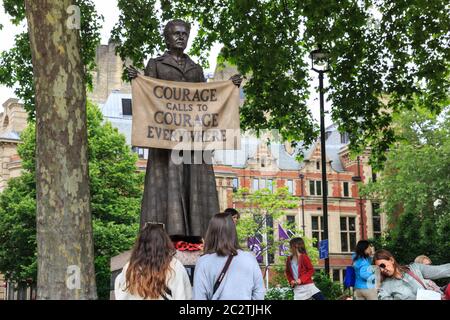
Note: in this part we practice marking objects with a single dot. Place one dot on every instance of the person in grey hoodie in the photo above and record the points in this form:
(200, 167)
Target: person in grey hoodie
(365, 279)
(242, 281)
(403, 282)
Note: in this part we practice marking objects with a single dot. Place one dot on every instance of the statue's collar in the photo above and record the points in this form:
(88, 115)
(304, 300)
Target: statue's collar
(167, 58)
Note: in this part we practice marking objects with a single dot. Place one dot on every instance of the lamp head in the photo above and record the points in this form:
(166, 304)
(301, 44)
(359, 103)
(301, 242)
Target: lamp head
(319, 60)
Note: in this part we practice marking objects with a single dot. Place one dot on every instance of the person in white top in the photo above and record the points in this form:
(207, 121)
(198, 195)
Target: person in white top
(153, 272)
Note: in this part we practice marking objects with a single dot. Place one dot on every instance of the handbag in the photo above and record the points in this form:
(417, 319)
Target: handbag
(424, 294)
(222, 274)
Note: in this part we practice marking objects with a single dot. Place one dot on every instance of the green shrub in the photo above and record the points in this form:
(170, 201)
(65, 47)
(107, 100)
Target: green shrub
(280, 293)
(330, 289)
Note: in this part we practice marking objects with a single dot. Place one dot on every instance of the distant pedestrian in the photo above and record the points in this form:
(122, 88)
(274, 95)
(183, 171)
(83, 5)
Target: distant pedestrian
(153, 273)
(234, 214)
(430, 283)
(225, 272)
(365, 279)
(299, 271)
(423, 260)
(403, 282)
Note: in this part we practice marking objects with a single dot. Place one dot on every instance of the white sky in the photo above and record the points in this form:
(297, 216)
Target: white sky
(111, 15)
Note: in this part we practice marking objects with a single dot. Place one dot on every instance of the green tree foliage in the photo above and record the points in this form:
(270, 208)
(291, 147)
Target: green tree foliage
(414, 188)
(18, 229)
(384, 55)
(16, 68)
(116, 191)
(395, 49)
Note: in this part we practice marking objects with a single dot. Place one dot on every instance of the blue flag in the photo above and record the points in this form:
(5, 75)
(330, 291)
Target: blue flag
(323, 249)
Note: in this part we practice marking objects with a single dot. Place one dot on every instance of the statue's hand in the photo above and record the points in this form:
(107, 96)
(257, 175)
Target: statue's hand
(237, 80)
(132, 72)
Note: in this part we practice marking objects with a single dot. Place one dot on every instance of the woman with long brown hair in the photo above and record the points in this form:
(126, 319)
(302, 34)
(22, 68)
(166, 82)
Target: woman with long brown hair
(225, 272)
(404, 282)
(153, 272)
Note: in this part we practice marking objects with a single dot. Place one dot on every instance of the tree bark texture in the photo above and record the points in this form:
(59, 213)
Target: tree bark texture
(64, 224)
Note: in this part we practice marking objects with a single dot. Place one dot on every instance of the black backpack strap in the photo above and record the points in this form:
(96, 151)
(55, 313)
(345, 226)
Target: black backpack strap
(222, 274)
(167, 292)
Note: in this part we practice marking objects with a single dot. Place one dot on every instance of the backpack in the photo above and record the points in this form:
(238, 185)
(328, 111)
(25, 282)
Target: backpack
(350, 277)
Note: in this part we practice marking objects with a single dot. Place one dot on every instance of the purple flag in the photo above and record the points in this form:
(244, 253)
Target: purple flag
(282, 235)
(254, 245)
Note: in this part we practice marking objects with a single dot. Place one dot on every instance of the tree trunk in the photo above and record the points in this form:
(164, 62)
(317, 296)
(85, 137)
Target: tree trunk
(64, 225)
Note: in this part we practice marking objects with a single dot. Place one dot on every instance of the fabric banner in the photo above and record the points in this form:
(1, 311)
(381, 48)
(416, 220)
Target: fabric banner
(254, 245)
(185, 115)
(283, 248)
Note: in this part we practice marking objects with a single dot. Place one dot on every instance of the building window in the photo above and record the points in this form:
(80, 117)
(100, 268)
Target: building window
(290, 185)
(290, 219)
(255, 184)
(270, 238)
(348, 234)
(346, 189)
(140, 152)
(345, 138)
(317, 165)
(6, 122)
(376, 220)
(337, 275)
(235, 184)
(315, 188)
(127, 109)
(291, 222)
(317, 228)
(262, 184)
(269, 185)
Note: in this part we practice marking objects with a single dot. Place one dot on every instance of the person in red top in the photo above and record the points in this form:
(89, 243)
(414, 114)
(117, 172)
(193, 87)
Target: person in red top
(299, 271)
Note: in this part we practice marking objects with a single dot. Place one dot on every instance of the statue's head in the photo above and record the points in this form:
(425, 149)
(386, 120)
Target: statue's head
(176, 34)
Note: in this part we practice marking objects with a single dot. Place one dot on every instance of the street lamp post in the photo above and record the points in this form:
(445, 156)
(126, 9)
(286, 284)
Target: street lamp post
(302, 176)
(319, 63)
(359, 179)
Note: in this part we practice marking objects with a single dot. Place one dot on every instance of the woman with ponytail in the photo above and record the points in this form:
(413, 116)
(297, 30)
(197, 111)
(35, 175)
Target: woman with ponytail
(299, 272)
(153, 273)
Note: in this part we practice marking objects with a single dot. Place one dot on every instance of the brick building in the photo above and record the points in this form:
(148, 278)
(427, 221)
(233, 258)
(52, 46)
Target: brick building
(13, 121)
(349, 217)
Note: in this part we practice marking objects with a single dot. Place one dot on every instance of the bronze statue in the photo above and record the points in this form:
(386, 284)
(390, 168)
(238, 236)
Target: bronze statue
(182, 196)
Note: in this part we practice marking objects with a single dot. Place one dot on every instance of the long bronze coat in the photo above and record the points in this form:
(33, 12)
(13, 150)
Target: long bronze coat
(183, 197)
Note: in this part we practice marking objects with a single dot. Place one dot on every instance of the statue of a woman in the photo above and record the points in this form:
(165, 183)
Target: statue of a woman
(182, 196)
